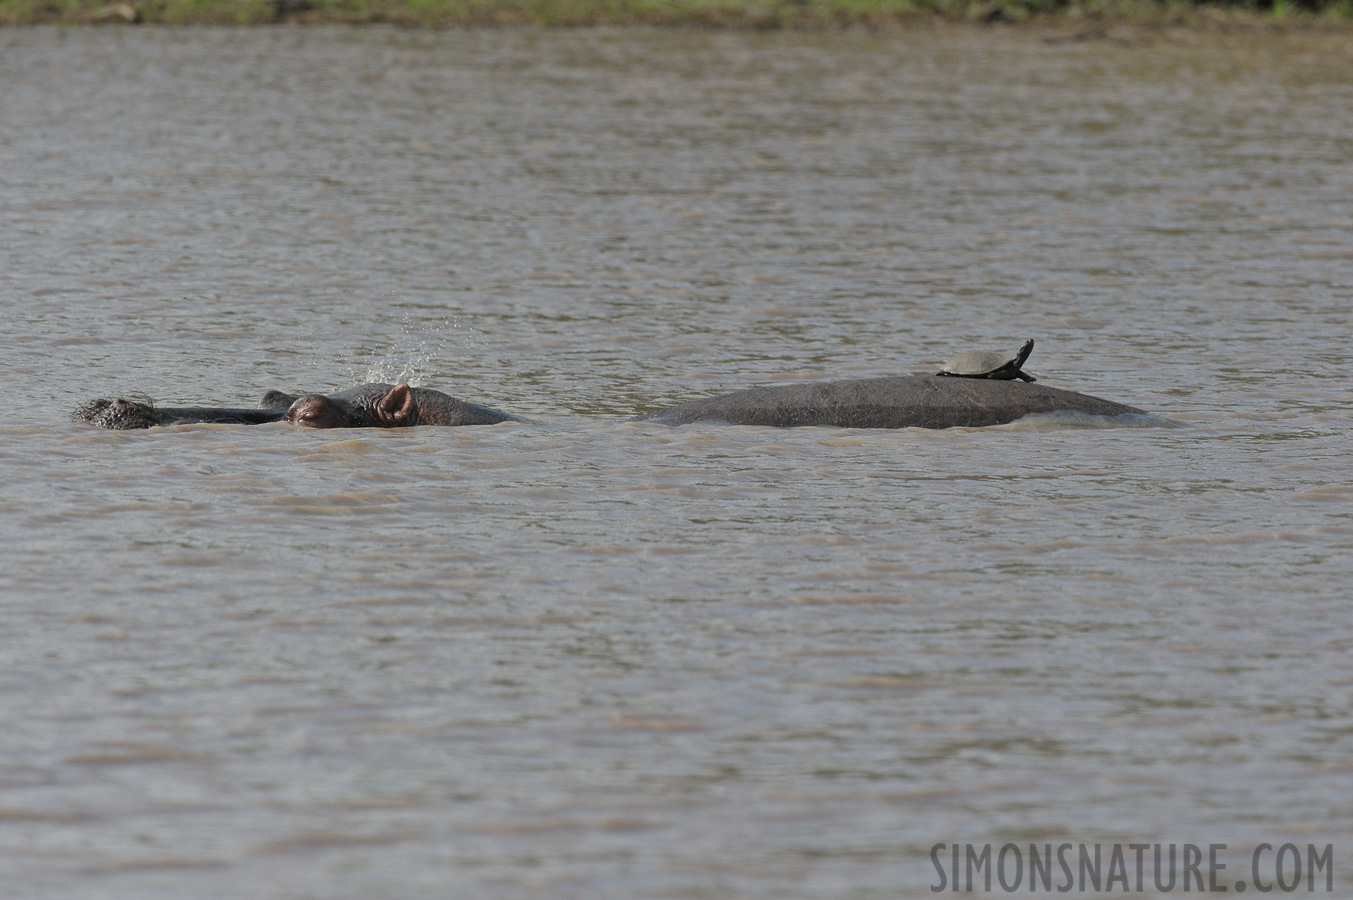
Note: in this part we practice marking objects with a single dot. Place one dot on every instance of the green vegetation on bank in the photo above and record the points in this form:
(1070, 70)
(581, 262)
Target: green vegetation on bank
(732, 13)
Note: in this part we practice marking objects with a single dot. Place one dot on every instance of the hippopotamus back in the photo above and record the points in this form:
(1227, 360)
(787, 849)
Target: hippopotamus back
(919, 401)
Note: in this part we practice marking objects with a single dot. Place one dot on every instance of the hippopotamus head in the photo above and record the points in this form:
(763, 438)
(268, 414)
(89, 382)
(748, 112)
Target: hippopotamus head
(385, 406)
(365, 406)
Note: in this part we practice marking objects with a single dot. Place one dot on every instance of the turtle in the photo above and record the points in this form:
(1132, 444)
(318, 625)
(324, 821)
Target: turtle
(989, 364)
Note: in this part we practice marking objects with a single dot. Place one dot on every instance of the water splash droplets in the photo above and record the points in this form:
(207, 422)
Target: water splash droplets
(423, 348)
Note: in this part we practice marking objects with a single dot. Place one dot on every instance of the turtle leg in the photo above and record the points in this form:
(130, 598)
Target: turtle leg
(1025, 376)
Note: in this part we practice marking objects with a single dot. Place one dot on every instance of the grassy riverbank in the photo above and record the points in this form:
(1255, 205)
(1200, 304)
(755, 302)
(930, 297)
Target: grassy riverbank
(730, 13)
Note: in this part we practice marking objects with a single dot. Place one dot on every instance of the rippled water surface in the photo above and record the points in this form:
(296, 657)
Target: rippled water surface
(590, 658)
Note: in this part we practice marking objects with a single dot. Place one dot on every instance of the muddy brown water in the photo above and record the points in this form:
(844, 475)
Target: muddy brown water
(599, 659)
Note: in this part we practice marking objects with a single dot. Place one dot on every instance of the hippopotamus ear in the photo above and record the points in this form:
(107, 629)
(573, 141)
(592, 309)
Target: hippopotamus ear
(397, 407)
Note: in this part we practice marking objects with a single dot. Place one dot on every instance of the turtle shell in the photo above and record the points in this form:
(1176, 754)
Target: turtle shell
(989, 364)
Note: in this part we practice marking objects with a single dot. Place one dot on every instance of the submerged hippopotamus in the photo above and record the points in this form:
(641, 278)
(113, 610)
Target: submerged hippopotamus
(379, 405)
(121, 414)
(372, 405)
(918, 401)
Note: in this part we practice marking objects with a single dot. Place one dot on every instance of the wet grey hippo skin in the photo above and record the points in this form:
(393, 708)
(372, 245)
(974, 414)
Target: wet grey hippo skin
(383, 406)
(122, 415)
(365, 406)
(920, 401)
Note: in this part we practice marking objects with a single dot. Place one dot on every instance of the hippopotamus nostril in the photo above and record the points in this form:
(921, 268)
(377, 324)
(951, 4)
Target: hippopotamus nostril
(121, 414)
(118, 414)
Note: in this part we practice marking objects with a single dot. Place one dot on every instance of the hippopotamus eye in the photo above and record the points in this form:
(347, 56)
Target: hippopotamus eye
(317, 411)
